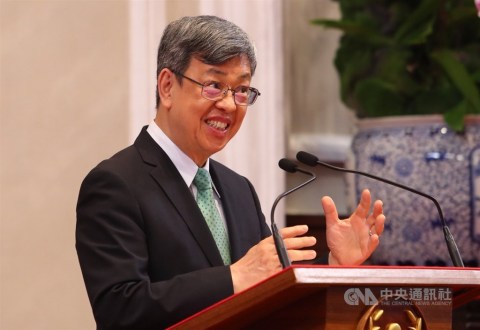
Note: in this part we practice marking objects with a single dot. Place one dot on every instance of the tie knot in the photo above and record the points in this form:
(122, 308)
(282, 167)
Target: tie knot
(202, 179)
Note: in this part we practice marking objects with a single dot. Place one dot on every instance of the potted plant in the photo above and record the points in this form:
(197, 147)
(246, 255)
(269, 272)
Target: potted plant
(397, 60)
(409, 57)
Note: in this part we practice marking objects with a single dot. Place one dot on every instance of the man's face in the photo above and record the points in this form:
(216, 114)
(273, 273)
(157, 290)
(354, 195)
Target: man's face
(201, 127)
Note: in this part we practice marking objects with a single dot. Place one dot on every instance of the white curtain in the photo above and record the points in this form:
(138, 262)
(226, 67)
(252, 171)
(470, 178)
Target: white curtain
(260, 143)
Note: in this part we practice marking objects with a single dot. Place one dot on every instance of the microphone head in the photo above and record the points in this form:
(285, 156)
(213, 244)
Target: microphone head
(307, 158)
(287, 165)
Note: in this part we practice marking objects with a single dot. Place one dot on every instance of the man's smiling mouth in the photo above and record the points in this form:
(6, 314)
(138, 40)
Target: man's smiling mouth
(217, 124)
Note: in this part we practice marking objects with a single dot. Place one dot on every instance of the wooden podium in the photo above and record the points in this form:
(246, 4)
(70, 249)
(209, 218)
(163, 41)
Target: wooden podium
(325, 297)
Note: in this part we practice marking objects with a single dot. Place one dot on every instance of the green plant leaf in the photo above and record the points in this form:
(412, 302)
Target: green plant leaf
(391, 65)
(377, 98)
(461, 14)
(419, 24)
(455, 117)
(351, 68)
(437, 100)
(354, 29)
(458, 74)
(402, 57)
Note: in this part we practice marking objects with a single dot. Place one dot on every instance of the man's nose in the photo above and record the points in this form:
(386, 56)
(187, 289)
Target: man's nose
(227, 103)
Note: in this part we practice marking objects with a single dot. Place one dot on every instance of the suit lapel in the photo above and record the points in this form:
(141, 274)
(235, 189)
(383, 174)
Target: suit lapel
(180, 196)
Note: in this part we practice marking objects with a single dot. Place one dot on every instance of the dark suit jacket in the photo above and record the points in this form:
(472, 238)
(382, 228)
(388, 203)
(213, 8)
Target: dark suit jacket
(146, 253)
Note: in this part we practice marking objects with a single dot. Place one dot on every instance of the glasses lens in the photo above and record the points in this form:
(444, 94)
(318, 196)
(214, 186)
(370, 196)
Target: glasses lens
(213, 90)
(242, 94)
(252, 96)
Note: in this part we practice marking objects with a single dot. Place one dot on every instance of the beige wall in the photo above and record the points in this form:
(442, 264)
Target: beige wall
(317, 121)
(311, 80)
(64, 107)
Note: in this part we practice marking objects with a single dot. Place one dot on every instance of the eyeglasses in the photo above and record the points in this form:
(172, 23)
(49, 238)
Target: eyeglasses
(216, 91)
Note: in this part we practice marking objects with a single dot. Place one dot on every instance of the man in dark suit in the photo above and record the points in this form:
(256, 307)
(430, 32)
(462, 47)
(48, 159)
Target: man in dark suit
(148, 254)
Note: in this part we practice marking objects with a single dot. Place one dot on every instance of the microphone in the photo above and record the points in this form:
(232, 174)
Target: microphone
(313, 160)
(289, 166)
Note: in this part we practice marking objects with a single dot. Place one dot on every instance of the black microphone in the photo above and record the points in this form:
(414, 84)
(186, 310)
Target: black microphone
(313, 160)
(289, 166)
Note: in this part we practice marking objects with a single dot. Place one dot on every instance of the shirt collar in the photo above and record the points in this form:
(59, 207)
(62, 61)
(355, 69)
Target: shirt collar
(184, 164)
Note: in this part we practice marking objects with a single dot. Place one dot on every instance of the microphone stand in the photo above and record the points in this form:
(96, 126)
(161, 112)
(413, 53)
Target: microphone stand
(290, 167)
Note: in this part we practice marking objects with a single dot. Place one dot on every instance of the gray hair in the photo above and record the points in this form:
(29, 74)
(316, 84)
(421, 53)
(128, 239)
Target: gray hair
(210, 39)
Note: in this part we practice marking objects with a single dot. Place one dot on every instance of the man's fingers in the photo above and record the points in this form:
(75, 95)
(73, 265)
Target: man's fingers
(373, 243)
(377, 208)
(379, 224)
(331, 214)
(293, 231)
(295, 244)
(300, 242)
(364, 205)
(299, 255)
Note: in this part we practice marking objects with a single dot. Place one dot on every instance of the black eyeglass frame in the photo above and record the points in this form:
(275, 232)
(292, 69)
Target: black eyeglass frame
(253, 90)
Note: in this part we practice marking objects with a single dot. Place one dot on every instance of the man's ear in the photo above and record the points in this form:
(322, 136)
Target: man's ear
(165, 82)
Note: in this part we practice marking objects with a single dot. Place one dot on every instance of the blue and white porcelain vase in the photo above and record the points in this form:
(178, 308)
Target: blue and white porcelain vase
(423, 153)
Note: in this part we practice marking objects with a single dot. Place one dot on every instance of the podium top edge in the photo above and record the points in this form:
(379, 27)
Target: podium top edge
(387, 275)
